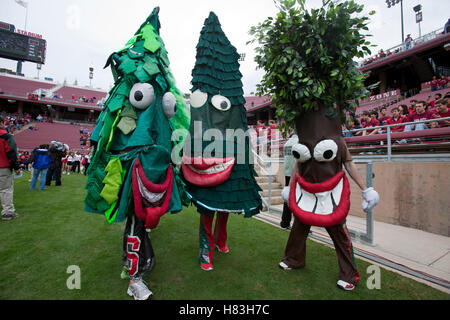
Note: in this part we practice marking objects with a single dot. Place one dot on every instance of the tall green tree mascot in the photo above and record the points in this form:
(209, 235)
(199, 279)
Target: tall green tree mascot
(131, 175)
(216, 164)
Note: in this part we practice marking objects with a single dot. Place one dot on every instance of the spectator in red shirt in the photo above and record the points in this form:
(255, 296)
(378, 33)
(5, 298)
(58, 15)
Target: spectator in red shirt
(384, 117)
(412, 107)
(437, 96)
(443, 82)
(420, 114)
(368, 123)
(363, 118)
(434, 84)
(443, 111)
(259, 133)
(396, 119)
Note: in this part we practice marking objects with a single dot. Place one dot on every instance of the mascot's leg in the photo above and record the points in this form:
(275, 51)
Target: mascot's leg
(348, 274)
(286, 216)
(206, 242)
(139, 257)
(295, 252)
(220, 232)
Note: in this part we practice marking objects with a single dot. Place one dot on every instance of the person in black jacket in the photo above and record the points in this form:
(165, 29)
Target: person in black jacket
(56, 153)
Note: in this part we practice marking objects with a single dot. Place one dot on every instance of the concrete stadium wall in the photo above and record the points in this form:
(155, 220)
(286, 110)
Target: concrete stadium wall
(412, 194)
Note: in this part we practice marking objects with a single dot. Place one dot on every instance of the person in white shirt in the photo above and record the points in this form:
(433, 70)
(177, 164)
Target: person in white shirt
(76, 162)
(70, 162)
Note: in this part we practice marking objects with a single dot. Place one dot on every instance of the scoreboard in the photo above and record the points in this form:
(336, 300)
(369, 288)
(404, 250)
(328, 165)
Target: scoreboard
(21, 47)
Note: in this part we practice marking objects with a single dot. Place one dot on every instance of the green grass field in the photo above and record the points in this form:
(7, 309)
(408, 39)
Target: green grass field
(53, 232)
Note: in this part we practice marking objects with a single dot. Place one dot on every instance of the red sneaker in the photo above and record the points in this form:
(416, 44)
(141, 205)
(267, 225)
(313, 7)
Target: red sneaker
(206, 266)
(223, 249)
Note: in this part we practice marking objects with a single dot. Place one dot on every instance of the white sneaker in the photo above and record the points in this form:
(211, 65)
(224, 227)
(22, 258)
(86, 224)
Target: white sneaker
(139, 291)
(284, 266)
(345, 285)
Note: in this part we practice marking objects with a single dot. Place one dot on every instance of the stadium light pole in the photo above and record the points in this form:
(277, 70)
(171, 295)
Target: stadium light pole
(392, 3)
(91, 75)
(417, 9)
(38, 67)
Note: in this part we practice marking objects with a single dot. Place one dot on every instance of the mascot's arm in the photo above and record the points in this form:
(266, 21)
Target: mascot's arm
(286, 190)
(370, 196)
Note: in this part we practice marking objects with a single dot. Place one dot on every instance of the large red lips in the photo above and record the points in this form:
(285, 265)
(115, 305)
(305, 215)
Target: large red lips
(141, 185)
(320, 204)
(207, 172)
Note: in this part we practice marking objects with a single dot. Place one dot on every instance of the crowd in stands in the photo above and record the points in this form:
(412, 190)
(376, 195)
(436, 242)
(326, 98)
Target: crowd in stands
(33, 96)
(267, 134)
(84, 99)
(84, 136)
(14, 122)
(417, 111)
(440, 83)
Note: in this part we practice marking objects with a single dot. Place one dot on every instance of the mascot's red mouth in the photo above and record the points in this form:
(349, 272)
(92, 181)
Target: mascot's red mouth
(320, 204)
(151, 200)
(207, 172)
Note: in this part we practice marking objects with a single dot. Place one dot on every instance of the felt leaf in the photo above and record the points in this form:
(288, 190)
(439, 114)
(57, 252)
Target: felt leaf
(142, 74)
(123, 89)
(162, 82)
(128, 111)
(127, 125)
(127, 65)
(151, 38)
(136, 52)
(116, 102)
(151, 67)
(112, 181)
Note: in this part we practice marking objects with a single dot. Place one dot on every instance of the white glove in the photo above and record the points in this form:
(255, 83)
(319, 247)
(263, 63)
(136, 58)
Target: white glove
(371, 199)
(285, 194)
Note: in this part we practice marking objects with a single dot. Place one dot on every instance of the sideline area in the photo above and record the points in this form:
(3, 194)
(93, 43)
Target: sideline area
(54, 233)
(413, 253)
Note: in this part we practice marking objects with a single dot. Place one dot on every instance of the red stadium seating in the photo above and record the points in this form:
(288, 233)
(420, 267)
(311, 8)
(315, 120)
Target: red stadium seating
(67, 133)
(68, 91)
(19, 86)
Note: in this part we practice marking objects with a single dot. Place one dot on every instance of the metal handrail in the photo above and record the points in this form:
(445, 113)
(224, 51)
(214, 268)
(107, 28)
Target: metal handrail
(402, 46)
(399, 124)
(388, 131)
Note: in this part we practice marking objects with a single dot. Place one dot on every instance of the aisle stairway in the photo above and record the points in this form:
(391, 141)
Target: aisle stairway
(276, 188)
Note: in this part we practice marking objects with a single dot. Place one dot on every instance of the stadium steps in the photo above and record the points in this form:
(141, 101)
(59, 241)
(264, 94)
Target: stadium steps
(277, 188)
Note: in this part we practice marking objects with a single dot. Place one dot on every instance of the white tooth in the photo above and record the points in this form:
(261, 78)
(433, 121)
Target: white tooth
(214, 169)
(308, 201)
(324, 203)
(298, 192)
(337, 192)
(148, 195)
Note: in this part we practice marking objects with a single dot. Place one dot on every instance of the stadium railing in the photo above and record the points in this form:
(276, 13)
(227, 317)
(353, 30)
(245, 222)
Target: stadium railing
(439, 136)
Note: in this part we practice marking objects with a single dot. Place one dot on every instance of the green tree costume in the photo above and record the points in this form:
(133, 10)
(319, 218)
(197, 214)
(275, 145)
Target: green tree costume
(216, 163)
(131, 175)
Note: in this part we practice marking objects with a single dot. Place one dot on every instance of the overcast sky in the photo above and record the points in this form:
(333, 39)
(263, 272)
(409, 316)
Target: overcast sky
(83, 33)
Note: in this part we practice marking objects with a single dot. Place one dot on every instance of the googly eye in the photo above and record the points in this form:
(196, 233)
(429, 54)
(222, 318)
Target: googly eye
(301, 152)
(221, 103)
(325, 150)
(169, 105)
(198, 99)
(142, 95)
